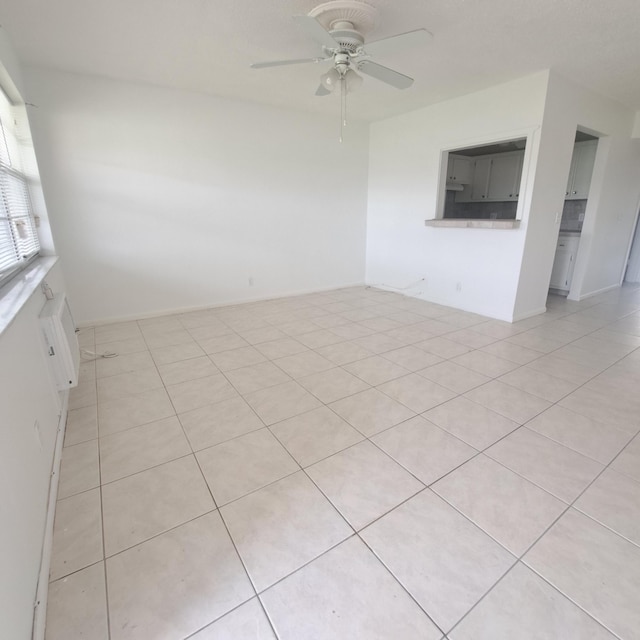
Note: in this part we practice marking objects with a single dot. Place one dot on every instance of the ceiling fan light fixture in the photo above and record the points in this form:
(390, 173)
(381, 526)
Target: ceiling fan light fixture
(330, 79)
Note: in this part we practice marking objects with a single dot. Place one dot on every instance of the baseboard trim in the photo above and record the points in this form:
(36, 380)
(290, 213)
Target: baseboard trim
(227, 303)
(584, 296)
(528, 314)
(42, 591)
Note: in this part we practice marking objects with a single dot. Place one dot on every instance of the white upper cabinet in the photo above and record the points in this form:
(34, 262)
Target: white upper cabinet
(504, 179)
(582, 161)
(459, 169)
(495, 178)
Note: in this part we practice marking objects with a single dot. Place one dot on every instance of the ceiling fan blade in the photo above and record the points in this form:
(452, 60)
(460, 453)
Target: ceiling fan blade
(377, 71)
(322, 90)
(315, 30)
(399, 42)
(280, 63)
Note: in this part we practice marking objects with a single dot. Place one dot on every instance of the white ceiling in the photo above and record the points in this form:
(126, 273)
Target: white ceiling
(207, 46)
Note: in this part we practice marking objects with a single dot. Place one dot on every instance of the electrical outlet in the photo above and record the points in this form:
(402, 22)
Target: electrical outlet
(558, 218)
(581, 217)
(251, 281)
(458, 286)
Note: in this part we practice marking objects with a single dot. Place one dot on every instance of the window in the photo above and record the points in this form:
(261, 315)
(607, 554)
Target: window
(18, 236)
(483, 182)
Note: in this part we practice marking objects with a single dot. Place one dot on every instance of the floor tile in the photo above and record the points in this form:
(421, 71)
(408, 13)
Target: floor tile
(262, 335)
(558, 470)
(297, 524)
(513, 352)
(237, 358)
(84, 395)
(303, 364)
(314, 435)
(140, 448)
(77, 534)
(443, 347)
(256, 377)
(379, 343)
(485, 364)
(185, 370)
(79, 469)
(538, 383)
(509, 508)
(344, 352)
(161, 338)
(145, 504)
(510, 402)
(564, 369)
(176, 583)
(176, 353)
(454, 377)
(584, 560)
(133, 411)
(117, 331)
(614, 501)
(346, 593)
(603, 408)
(363, 483)
(416, 392)
(332, 385)
(198, 393)
(628, 462)
(123, 363)
(376, 370)
(77, 606)
(247, 622)
(222, 343)
(82, 425)
(281, 402)
(580, 433)
(412, 358)
(319, 338)
(524, 606)
(128, 384)
(471, 422)
(371, 411)
(280, 348)
(234, 468)
(425, 450)
(445, 562)
(471, 338)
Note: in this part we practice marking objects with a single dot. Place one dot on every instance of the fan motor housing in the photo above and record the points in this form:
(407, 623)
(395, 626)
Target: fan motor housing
(348, 39)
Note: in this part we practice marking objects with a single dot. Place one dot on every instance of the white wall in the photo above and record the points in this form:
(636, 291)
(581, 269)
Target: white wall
(404, 174)
(613, 197)
(27, 396)
(164, 199)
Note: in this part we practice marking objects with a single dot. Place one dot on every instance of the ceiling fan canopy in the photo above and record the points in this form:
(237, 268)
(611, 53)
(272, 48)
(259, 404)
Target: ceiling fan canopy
(340, 27)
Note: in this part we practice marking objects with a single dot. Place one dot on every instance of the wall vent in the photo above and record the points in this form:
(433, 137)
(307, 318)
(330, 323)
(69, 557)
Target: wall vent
(61, 341)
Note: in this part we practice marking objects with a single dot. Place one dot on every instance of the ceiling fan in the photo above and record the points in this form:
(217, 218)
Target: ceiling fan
(339, 27)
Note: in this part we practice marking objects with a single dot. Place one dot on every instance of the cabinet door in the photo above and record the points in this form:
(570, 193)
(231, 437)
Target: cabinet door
(481, 179)
(562, 267)
(503, 177)
(586, 156)
(460, 169)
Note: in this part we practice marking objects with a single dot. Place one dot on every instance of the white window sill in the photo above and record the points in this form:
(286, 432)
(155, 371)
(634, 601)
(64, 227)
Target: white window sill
(15, 293)
(463, 223)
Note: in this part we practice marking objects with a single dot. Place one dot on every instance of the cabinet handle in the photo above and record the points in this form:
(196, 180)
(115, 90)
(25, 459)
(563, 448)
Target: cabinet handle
(484, 196)
(511, 195)
(561, 245)
(566, 193)
(574, 192)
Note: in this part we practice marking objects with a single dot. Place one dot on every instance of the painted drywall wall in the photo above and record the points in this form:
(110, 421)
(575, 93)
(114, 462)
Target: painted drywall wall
(613, 197)
(163, 200)
(28, 398)
(26, 457)
(472, 269)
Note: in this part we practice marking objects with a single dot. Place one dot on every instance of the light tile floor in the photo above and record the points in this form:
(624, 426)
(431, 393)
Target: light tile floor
(354, 465)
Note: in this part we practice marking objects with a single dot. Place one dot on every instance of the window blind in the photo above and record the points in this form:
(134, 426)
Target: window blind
(18, 235)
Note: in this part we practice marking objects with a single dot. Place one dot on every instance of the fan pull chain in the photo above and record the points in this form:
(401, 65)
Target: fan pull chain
(342, 106)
